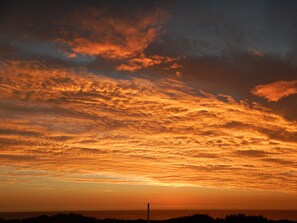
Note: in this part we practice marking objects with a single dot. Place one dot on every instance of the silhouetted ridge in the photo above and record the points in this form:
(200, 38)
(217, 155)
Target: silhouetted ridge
(190, 219)
(76, 218)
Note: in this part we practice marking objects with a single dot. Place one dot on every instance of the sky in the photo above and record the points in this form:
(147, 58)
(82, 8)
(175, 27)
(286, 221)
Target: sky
(108, 105)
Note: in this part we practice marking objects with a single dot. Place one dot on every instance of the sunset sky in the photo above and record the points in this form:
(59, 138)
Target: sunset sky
(113, 104)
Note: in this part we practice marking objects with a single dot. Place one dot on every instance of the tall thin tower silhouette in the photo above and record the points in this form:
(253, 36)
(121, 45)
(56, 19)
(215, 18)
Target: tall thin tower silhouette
(148, 212)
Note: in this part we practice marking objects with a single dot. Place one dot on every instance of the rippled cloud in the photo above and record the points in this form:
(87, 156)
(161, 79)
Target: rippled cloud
(76, 126)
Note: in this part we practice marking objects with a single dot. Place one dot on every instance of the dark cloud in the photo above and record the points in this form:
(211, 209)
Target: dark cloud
(252, 153)
(280, 134)
(19, 109)
(236, 75)
(285, 162)
(17, 157)
(210, 167)
(7, 51)
(18, 132)
(221, 27)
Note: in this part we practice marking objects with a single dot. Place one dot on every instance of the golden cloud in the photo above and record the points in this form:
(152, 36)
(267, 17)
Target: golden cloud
(276, 90)
(76, 126)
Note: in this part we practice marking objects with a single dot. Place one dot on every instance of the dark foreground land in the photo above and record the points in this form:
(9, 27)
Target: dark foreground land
(75, 218)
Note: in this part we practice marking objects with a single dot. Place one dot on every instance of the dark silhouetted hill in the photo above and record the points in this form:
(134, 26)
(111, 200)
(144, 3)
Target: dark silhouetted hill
(76, 218)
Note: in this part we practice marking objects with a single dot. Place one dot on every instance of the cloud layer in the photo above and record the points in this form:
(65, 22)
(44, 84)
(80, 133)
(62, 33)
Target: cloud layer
(77, 126)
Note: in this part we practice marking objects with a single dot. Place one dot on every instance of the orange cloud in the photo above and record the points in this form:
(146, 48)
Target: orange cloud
(115, 38)
(276, 90)
(111, 37)
(74, 126)
(143, 61)
(175, 66)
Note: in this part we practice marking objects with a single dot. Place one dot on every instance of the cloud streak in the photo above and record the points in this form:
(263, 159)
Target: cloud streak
(138, 63)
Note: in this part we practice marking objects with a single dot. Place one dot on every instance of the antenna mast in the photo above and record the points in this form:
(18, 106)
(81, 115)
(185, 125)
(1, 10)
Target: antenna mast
(148, 212)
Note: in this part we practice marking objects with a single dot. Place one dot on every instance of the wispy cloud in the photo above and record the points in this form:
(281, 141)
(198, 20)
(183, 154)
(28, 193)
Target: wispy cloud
(111, 37)
(114, 38)
(143, 61)
(276, 90)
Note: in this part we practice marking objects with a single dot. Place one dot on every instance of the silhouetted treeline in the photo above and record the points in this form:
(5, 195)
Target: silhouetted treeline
(76, 218)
